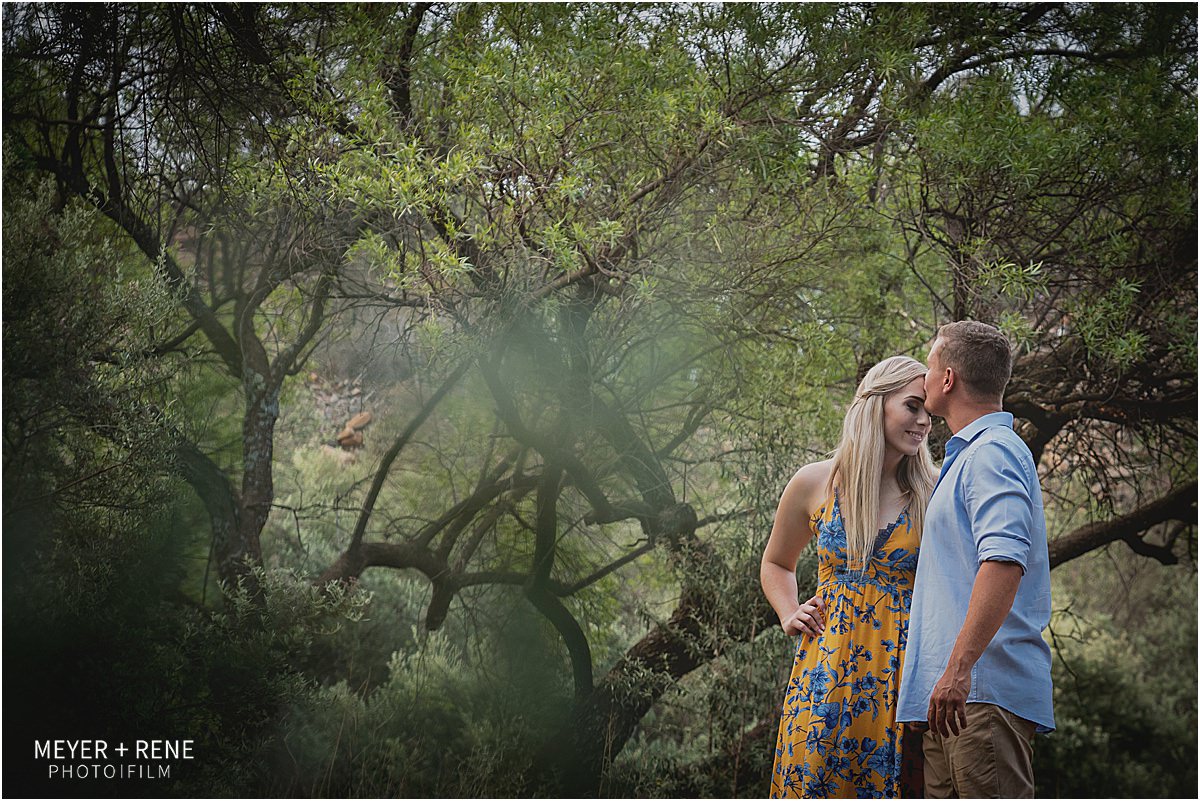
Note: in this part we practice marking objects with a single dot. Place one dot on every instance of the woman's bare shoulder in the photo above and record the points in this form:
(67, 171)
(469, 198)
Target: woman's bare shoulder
(814, 476)
(807, 487)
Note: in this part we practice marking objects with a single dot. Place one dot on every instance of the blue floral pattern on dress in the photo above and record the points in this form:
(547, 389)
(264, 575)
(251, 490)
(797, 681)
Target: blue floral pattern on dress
(838, 736)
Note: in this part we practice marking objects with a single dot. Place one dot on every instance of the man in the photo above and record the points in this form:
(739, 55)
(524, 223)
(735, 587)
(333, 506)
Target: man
(976, 668)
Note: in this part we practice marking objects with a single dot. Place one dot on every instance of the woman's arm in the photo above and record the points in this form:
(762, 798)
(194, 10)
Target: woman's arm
(789, 534)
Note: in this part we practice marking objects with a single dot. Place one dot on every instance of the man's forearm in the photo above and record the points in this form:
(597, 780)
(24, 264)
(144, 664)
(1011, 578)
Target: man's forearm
(992, 597)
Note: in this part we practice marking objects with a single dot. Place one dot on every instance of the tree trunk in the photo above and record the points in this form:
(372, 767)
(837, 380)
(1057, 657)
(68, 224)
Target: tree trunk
(244, 551)
(217, 494)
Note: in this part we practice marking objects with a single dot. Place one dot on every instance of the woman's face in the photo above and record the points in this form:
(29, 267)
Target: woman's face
(905, 421)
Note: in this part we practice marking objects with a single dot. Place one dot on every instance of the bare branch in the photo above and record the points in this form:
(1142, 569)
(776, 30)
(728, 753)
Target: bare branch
(356, 539)
(612, 567)
(1178, 504)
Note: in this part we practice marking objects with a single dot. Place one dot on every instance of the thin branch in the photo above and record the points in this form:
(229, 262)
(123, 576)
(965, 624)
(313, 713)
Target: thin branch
(724, 516)
(606, 570)
(384, 466)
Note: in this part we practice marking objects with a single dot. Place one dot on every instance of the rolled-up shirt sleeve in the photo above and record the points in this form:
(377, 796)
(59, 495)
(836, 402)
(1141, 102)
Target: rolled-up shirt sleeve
(999, 505)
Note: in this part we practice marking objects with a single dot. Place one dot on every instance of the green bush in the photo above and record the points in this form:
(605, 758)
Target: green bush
(1125, 713)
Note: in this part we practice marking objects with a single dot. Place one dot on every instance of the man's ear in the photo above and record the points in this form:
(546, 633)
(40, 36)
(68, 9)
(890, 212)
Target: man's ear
(949, 380)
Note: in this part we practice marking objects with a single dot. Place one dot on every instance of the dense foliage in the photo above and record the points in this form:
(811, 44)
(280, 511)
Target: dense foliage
(603, 276)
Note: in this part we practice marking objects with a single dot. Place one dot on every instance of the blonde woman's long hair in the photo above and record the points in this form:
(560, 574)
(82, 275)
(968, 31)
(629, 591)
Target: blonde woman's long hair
(858, 460)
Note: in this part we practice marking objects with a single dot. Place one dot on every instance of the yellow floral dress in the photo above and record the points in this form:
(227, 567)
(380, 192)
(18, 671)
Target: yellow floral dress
(838, 736)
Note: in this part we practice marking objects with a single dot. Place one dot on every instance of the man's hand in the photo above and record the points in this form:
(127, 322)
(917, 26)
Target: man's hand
(992, 596)
(948, 703)
(808, 619)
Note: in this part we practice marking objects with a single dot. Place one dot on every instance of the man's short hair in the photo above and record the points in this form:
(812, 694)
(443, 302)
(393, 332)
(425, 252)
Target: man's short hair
(980, 356)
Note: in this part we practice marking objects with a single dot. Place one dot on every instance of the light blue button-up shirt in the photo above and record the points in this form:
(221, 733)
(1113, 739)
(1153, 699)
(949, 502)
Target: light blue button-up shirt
(987, 506)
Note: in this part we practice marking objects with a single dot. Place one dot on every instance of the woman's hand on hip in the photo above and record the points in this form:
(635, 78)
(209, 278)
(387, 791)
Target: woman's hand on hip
(808, 619)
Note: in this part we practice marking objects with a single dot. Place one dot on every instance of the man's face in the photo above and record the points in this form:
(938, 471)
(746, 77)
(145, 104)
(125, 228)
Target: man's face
(934, 398)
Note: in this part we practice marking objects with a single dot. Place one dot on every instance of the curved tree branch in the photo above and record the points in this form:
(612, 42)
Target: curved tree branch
(360, 527)
(1178, 504)
(538, 591)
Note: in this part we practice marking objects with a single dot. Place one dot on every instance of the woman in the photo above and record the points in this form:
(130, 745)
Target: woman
(838, 737)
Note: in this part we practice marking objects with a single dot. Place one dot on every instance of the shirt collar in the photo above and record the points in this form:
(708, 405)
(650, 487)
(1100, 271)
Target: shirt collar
(981, 424)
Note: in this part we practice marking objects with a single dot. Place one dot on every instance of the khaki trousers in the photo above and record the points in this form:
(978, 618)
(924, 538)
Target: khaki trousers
(991, 758)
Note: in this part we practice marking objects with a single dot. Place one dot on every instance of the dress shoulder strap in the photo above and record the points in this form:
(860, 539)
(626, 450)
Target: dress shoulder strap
(826, 509)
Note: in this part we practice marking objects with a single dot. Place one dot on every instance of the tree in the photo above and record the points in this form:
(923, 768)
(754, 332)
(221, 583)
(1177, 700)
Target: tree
(632, 241)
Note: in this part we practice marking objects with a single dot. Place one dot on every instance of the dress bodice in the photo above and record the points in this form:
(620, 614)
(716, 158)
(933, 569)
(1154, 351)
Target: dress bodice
(893, 563)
